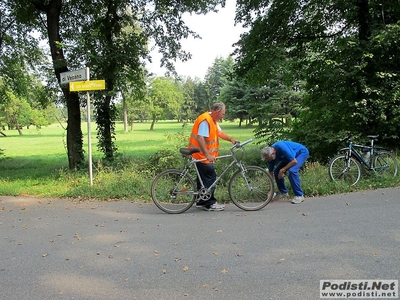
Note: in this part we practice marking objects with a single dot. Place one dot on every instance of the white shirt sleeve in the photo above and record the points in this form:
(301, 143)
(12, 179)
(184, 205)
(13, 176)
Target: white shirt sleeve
(204, 129)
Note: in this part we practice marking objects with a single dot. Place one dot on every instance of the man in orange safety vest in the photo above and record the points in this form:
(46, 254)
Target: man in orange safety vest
(205, 136)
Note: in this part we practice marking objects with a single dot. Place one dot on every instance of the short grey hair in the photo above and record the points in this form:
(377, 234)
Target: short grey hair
(219, 106)
(266, 152)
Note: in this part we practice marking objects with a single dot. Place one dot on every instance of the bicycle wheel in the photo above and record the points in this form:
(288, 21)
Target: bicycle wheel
(345, 170)
(251, 190)
(173, 193)
(385, 163)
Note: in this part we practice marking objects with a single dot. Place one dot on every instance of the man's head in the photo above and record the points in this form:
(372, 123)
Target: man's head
(268, 153)
(218, 111)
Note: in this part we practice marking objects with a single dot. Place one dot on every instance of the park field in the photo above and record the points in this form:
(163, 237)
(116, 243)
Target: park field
(35, 164)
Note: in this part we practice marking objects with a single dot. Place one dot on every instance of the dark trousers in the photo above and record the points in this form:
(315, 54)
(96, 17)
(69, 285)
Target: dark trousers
(208, 176)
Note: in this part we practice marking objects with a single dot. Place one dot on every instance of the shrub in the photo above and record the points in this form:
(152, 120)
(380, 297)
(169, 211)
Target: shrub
(164, 159)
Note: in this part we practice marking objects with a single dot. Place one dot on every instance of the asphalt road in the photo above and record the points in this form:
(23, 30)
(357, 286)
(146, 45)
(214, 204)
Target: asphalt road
(64, 249)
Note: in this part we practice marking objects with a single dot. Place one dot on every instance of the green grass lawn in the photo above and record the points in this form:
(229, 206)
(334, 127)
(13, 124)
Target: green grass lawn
(36, 164)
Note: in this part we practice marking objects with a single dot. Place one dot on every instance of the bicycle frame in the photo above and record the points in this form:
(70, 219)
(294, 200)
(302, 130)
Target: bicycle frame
(372, 150)
(192, 162)
(353, 151)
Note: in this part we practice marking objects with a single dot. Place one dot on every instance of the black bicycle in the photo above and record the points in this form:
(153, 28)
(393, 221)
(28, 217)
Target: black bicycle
(346, 167)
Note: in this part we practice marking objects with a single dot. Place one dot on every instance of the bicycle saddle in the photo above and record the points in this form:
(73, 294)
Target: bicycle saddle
(374, 137)
(189, 151)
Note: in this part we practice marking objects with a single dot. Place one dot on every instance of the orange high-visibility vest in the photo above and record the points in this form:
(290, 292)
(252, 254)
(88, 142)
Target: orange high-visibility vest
(212, 142)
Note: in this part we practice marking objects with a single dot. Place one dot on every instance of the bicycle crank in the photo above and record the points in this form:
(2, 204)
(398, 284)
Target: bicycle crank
(203, 195)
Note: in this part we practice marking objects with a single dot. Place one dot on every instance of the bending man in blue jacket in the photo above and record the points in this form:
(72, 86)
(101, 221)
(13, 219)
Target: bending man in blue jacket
(288, 157)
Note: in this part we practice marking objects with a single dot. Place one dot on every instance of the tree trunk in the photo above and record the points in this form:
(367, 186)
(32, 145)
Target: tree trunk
(153, 122)
(14, 120)
(19, 130)
(106, 127)
(364, 30)
(74, 131)
(125, 112)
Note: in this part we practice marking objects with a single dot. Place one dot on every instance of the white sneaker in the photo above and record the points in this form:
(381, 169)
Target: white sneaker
(298, 199)
(215, 207)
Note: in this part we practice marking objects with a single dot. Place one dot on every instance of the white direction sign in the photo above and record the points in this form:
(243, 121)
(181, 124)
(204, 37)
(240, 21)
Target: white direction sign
(78, 75)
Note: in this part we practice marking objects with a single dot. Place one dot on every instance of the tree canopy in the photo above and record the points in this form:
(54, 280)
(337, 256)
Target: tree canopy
(111, 38)
(345, 53)
(308, 71)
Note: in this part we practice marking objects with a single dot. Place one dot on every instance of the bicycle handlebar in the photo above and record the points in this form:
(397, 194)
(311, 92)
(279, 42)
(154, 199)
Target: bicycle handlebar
(346, 138)
(240, 145)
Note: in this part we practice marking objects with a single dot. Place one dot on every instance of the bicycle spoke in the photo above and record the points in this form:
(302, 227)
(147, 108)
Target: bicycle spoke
(385, 164)
(344, 170)
(253, 190)
(173, 193)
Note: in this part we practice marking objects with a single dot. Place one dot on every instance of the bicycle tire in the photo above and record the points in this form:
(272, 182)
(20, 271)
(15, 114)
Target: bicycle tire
(340, 171)
(260, 193)
(173, 193)
(385, 163)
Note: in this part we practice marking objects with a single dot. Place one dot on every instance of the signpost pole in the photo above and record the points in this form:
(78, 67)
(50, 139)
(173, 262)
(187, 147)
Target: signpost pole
(87, 85)
(89, 132)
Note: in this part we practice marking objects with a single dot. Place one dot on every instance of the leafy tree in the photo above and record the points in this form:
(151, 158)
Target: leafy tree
(134, 107)
(80, 33)
(188, 107)
(200, 98)
(344, 51)
(23, 97)
(165, 99)
(237, 96)
(216, 78)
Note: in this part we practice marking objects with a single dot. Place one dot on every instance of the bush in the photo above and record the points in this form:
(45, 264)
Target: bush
(164, 159)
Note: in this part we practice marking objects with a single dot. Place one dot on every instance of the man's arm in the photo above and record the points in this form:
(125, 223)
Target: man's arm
(226, 137)
(288, 154)
(203, 148)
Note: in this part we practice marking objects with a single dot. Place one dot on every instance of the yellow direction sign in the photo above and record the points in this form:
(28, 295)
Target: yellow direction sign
(90, 85)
